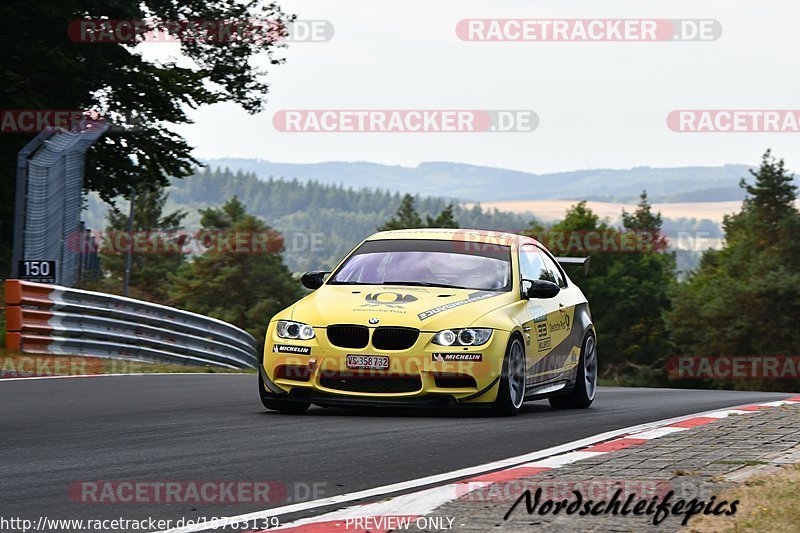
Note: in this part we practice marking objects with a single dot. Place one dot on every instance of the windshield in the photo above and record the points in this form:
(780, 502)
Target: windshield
(436, 263)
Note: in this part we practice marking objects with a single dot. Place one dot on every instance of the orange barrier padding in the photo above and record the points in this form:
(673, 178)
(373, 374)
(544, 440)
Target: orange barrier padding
(34, 343)
(13, 290)
(13, 341)
(28, 293)
(13, 318)
(19, 319)
(36, 294)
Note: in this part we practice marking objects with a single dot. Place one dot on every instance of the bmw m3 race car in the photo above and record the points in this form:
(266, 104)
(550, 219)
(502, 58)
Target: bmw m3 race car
(435, 317)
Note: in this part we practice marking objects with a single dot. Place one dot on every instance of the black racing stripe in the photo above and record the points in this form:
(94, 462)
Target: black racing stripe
(481, 392)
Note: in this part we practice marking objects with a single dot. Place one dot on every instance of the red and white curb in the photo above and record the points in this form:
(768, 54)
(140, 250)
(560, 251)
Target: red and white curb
(399, 511)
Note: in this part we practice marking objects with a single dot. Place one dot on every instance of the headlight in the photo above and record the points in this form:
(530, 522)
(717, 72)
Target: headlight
(288, 329)
(462, 337)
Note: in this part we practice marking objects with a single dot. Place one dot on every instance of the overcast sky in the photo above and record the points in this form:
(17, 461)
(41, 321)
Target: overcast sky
(600, 104)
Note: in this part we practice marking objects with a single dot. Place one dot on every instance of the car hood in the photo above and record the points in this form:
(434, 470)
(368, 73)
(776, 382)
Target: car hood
(425, 308)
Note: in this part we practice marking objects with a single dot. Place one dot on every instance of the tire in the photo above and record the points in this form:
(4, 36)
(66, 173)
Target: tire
(284, 406)
(511, 393)
(585, 389)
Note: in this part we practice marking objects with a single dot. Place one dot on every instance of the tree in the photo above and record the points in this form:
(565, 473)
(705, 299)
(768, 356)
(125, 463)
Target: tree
(771, 198)
(142, 97)
(407, 217)
(652, 269)
(241, 277)
(445, 219)
(627, 289)
(744, 299)
(643, 217)
(157, 247)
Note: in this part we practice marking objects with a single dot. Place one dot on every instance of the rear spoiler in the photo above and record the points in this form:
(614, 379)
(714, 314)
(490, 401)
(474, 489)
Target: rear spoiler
(575, 261)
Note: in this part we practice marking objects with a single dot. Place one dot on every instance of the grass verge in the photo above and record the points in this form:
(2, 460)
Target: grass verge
(766, 503)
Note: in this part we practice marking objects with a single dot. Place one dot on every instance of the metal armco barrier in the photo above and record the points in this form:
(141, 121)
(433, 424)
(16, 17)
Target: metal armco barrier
(58, 320)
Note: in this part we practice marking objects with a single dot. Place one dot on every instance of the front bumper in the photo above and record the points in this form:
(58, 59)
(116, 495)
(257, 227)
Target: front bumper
(423, 375)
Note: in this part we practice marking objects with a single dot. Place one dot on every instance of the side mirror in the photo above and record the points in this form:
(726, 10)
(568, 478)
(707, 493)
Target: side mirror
(541, 289)
(313, 280)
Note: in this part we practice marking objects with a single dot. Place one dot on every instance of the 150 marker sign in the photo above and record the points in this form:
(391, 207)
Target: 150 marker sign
(39, 271)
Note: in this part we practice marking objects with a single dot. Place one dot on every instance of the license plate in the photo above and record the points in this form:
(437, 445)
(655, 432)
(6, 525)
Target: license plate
(370, 362)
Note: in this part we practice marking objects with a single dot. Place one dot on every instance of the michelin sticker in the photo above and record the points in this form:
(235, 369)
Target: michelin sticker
(285, 348)
(443, 357)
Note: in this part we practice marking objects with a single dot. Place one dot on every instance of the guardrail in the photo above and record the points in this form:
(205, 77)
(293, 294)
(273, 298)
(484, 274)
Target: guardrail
(59, 320)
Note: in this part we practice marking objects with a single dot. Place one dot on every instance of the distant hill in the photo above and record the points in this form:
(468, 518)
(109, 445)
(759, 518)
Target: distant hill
(716, 194)
(478, 183)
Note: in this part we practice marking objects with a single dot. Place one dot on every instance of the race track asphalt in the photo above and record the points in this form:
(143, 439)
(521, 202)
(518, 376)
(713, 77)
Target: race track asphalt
(212, 427)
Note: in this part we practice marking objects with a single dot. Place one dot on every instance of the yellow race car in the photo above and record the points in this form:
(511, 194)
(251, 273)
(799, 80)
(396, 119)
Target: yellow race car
(435, 317)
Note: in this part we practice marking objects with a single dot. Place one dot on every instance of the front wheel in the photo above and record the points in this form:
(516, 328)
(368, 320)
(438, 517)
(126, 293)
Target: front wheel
(284, 406)
(511, 392)
(582, 395)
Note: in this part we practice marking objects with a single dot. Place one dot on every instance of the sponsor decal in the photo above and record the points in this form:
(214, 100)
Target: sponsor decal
(405, 288)
(285, 348)
(545, 344)
(442, 357)
(538, 313)
(544, 341)
(474, 297)
(541, 330)
(388, 299)
(560, 325)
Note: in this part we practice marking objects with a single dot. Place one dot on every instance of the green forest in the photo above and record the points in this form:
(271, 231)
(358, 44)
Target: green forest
(320, 222)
